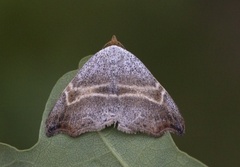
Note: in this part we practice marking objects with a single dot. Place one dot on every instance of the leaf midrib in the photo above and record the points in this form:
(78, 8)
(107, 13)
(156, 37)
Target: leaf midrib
(113, 151)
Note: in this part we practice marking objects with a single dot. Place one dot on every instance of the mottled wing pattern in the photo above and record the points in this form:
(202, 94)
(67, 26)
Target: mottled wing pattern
(114, 87)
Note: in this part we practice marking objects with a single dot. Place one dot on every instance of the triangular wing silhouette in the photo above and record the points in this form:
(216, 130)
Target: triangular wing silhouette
(114, 87)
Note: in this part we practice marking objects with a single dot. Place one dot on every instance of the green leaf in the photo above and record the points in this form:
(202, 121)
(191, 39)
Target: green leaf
(108, 147)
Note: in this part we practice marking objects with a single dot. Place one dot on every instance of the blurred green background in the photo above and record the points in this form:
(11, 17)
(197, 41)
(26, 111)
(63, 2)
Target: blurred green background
(191, 47)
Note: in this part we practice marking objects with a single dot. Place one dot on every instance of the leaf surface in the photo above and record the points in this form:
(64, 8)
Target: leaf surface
(108, 147)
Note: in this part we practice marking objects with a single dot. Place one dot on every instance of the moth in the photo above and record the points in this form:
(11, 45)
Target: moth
(114, 88)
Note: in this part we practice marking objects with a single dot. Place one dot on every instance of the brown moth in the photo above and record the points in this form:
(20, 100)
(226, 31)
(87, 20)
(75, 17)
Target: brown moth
(114, 87)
